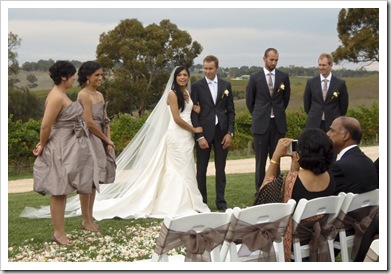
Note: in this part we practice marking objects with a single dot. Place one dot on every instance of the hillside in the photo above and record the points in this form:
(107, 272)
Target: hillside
(362, 90)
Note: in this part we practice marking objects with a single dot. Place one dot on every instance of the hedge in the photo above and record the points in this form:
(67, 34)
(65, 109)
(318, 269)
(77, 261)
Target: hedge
(22, 137)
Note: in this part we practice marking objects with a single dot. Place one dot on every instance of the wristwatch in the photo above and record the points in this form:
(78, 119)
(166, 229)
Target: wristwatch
(230, 133)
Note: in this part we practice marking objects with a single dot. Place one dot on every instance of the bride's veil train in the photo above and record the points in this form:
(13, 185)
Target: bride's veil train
(134, 184)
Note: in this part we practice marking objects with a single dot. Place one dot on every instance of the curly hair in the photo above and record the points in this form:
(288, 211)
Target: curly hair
(87, 69)
(315, 150)
(61, 69)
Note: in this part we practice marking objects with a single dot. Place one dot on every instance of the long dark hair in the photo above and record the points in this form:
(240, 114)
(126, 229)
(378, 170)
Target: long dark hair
(87, 69)
(177, 90)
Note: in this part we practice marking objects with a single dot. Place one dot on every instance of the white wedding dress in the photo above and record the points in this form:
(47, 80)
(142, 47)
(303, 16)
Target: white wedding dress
(167, 187)
(156, 174)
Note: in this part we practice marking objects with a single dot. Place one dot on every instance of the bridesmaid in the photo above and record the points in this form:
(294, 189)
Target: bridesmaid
(65, 163)
(90, 78)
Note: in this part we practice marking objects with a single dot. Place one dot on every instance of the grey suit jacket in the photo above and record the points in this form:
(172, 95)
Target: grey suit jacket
(333, 107)
(259, 101)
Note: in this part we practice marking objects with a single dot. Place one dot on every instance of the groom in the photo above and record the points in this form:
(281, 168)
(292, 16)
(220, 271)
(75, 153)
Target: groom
(217, 118)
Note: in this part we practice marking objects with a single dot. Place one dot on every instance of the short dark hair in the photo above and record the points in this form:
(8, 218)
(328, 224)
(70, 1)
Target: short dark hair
(61, 69)
(212, 58)
(269, 50)
(315, 150)
(87, 69)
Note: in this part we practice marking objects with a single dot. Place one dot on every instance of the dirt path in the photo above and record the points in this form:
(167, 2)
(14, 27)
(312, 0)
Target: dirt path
(233, 166)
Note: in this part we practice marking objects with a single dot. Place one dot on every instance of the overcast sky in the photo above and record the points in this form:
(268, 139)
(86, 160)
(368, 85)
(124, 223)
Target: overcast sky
(236, 32)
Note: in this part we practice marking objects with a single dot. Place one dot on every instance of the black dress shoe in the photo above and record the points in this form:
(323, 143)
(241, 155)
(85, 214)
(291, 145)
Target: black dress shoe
(222, 209)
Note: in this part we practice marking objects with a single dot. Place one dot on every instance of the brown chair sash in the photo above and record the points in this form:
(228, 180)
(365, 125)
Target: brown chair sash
(259, 236)
(358, 220)
(197, 244)
(317, 232)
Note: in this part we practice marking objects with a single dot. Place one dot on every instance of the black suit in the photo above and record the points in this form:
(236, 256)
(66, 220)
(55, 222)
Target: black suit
(214, 134)
(354, 172)
(266, 130)
(333, 106)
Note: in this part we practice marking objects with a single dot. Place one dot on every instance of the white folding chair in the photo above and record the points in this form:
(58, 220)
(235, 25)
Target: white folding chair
(354, 202)
(255, 219)
(175, 229)
(306, 210)
(373, 252)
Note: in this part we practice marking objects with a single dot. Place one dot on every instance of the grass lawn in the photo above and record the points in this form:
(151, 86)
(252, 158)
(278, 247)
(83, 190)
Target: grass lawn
(121, 240)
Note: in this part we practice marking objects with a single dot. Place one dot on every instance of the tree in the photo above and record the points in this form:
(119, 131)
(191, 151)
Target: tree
(13, 65)
(32, 79)
(22, 104)
(137, 60)
(358, 30)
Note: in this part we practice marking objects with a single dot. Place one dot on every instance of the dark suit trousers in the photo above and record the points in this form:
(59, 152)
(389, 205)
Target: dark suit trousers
(220, 157)
(264, 145)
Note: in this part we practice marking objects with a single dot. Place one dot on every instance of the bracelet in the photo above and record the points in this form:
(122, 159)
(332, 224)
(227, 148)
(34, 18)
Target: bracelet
(274, 162)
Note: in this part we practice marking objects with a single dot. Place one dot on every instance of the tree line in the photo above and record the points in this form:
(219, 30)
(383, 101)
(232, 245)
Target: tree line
(137, 60)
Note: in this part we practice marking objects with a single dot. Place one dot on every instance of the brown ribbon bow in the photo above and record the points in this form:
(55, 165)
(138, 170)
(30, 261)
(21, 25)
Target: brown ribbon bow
(258, 236)
(358, 220)
(317, 232)
(198, 244)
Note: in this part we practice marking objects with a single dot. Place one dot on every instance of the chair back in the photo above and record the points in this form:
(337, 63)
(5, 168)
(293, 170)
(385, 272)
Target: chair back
(370, 198)
(250, 220)
(264, 213)
(198, 222)
(201, 231)
(330, 205)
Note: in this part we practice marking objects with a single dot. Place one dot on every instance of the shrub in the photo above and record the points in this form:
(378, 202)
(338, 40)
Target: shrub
(22, 137)
(123, 128)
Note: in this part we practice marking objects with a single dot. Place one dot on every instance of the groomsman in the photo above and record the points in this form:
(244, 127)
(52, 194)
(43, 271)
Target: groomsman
(267, 97)
(325, 96)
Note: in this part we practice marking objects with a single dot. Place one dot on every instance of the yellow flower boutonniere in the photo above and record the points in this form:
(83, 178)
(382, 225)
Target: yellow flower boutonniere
(225, 93)
(281, 87)
(335, 95)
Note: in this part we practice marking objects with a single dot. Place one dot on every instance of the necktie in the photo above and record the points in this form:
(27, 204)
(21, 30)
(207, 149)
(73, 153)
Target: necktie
(213, 91)
(324, 90)
(270, 84)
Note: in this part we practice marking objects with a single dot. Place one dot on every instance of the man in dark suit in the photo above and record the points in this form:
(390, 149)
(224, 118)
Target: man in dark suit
(325, 96)
(267, 97)
(353, 171)
(213, 96)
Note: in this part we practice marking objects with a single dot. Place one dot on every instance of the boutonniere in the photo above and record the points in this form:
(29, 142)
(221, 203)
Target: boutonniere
(281, 87)
(335, 95)
(225, 93)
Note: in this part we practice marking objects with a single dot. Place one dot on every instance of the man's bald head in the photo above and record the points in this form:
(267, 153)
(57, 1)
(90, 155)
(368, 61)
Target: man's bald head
(352, 125)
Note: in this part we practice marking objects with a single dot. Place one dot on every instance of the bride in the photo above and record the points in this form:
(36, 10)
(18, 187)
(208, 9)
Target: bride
(156, 171)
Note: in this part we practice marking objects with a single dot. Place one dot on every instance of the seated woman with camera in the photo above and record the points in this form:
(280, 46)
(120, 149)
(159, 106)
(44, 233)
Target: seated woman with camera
(308, 177)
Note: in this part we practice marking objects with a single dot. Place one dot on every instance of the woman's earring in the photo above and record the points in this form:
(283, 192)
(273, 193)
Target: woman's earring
(88, 82)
